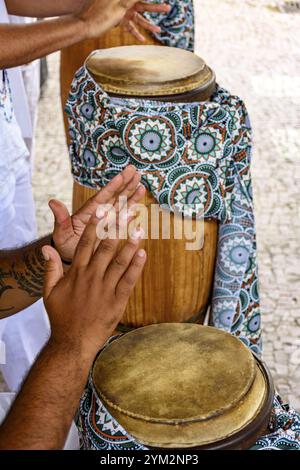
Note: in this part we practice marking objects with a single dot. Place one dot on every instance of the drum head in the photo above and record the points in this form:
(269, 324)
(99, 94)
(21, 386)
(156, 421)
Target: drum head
(180, 385)
(149, 70)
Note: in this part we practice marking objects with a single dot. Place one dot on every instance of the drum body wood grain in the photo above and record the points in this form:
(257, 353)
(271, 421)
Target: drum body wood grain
(176, 284)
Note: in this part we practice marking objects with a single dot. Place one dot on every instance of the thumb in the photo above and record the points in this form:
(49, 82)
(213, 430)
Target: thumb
(53, 271)
(62, 218)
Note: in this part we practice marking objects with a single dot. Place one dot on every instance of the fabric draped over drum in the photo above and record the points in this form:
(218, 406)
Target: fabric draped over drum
(194, 159)
(190, 156)
(177, 27)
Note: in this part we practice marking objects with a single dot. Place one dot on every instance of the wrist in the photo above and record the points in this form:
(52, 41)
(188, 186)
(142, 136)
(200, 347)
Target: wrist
(83, 26)
(82, 347)
(71, 350)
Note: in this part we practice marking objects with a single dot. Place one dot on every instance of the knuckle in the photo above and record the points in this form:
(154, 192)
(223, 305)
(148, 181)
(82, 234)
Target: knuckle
(125, 291)
(106, 247)
(83, 242)
(119, 262)
(129, 281)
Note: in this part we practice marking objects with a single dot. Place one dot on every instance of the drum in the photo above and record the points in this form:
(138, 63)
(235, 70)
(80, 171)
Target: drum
(176, 386)
(176, 284)
(72, 57)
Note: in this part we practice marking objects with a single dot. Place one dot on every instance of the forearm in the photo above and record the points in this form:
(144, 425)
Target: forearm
(21, 277)
(43, 8)
(43, 411)
(21, 44)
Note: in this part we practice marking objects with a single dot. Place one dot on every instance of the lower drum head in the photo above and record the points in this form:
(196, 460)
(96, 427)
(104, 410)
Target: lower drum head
(181, 385)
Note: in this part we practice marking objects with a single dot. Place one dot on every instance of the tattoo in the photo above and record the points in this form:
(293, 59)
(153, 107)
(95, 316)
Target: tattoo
(22, 270)
(4, 286)
(31, 278)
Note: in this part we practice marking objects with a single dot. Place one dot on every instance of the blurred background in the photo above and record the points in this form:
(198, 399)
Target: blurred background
(254, 47)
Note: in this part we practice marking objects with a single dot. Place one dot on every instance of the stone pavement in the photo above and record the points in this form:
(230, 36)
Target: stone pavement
(255, 51)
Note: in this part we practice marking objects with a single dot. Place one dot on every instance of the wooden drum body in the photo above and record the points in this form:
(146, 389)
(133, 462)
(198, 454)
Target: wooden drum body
(176, 284)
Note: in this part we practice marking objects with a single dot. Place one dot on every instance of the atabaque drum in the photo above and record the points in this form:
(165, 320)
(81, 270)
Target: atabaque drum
(176, 284)
(179, 386)
(72, 57)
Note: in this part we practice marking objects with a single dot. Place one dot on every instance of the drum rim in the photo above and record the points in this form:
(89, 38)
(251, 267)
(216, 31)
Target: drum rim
(113, 90)
(244, 437)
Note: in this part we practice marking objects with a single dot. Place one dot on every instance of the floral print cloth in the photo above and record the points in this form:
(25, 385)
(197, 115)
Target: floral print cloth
(195, 159)
(177, 27)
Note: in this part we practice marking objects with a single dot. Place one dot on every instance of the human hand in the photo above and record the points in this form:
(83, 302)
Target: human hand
(68, 229)
(86, 304)
(98, 16)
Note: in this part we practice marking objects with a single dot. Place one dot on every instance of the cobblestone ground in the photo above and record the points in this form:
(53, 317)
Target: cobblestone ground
(255, 51)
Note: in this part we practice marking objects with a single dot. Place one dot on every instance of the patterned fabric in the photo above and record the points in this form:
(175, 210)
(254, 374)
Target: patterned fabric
(195, 159)
(98, 430)
(177, 28)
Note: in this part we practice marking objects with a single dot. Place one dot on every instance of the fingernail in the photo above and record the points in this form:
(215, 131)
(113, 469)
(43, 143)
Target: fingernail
(100, 213)
(141, 253)
(45, 254)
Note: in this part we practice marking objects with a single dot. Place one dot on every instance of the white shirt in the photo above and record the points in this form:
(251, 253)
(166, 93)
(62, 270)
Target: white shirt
(13, 151)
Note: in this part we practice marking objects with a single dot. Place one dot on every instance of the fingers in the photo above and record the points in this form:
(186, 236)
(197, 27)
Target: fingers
(146, 24)
(127, 4)
(62, 220)
(105, 251)
(131, 27)
(53, 271)
(130, 278)
(122, 260)
(152, 7)
(124, 184)
(87, 243)
(59, 210)
(117, 185)
(137, 196)
(127, 193)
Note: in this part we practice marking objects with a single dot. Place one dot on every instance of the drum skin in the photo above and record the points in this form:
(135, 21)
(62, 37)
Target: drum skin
(176, 284)
(185, 386)
(73, 57)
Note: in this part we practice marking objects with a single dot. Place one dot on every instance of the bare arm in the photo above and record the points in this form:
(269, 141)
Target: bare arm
(43, 8)
(21, 44)
(22, 270)
(84, 308)
(21, 277)
(43, 412)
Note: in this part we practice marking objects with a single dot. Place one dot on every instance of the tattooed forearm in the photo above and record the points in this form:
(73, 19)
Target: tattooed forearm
(31, 278)
(21, 277)
(4, 284)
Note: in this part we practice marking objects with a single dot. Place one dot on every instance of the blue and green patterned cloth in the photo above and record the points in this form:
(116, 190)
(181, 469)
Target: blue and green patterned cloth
(195, 159)
(177, 27)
